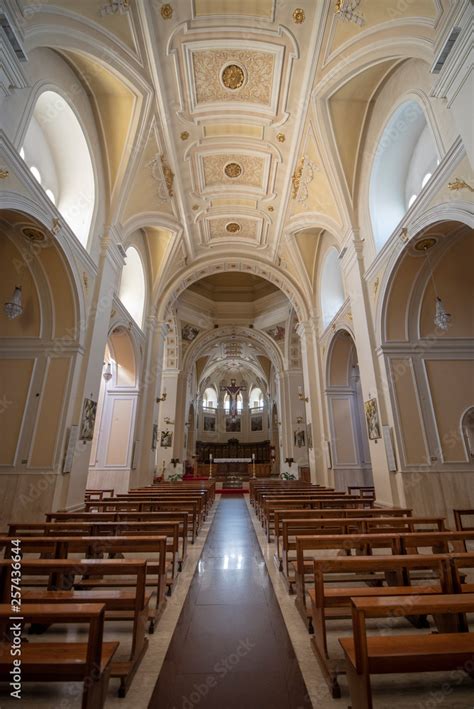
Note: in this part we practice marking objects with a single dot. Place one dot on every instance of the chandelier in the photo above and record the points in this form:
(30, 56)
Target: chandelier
(13, 308)
(441, 318)
(346, 10)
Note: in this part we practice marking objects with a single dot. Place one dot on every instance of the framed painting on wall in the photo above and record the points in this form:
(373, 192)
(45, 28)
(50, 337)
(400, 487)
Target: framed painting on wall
(232, 425)
(89, 411)
(154, 437)
(372, 416)
(166, 439)
(256, 423)
(209, 424)
(299, 439)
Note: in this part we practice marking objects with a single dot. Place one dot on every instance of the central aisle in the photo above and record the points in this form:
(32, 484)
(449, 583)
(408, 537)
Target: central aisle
(230, 649)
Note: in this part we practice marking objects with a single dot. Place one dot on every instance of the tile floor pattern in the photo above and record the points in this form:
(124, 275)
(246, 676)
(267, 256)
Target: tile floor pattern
(231, 648)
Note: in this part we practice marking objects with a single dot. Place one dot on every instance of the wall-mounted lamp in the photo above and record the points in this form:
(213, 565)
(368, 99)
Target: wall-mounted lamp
(162, 397)
(299, 419)
(13, 308)
(168, 421)
(107, 374)
(301, 395)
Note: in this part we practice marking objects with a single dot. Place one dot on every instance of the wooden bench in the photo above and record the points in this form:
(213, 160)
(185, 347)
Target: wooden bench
(153, 549)
(54, 581)
(366, 655)
(280, 515)
(96, 528)
(340, 544)
(290, 528)
(88, 662)
(330, 601)
(181, 517)
(460, 522)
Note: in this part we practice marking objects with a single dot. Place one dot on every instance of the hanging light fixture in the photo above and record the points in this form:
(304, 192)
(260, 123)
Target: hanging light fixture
(13, 308)
(108, 372)
(441, 318)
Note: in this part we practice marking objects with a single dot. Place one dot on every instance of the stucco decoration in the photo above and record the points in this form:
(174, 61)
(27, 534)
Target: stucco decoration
(233, 75)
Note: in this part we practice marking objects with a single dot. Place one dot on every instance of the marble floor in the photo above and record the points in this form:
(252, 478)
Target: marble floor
(231, 648)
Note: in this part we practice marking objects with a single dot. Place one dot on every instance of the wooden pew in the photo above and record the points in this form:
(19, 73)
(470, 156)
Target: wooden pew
(136, 506)
(123, 604)
(330, 601)
(280, 515)
(88, 662)
(181, 517)
(350, 525)
(361, 544)
(97, 528)
(310, 502)
(460, 522)
(154, 547)
(366, 655)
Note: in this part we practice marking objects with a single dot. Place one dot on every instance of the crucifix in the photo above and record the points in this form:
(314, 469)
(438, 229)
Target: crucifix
(233, 391)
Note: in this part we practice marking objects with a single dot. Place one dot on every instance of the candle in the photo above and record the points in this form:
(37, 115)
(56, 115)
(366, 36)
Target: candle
(210, 457)
(253, 456)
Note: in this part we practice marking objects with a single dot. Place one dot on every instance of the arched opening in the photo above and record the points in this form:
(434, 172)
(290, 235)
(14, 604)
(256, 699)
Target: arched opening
(132, 285)
(405, 156)
(467, 426)
(275, 441)
(36, 374)
(432, 371)
(113, 440)
(347, 422)
(256, 399)
(56, 150)
(209, 398)
(332, 287)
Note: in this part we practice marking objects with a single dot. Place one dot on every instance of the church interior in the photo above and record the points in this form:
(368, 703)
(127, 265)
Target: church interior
(236, 354)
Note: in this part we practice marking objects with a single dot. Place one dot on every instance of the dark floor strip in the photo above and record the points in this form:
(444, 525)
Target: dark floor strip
(230, 648)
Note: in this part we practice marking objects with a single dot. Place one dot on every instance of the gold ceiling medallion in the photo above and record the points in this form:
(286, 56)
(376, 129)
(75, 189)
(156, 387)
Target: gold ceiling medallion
(195, 207)
(281, 137)
(233, 227)
(298, 16)
(3, 173)
(166, 11)
(271, 209)
(32, 234)
(233, 170)
(425, 244)
(184, 135)
(302, 177)
(233, 77)
(459, 184)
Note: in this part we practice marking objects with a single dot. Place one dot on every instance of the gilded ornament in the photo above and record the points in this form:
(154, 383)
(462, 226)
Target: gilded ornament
(233, 170)
(168, 174)
(233, 77)
(3, 173)
(298, 16)
(376, 285)
(166, 11)
(302, 177)
(404, 234)
(281, 137)
(195, 207)
(233, 227)
(459, 184)
(85, 280)
(271, 209)
(56, 227)
(184, 135)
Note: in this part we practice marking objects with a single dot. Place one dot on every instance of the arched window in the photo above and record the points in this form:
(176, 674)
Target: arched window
(332, 288)
(132, 285)
(55, 146)
(227, 403)
(406, 153)
(209, 399)
(256, 399)
(240, 403)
